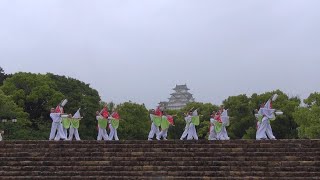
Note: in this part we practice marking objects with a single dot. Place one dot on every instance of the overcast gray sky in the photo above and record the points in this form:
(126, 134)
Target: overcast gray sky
(140, 49)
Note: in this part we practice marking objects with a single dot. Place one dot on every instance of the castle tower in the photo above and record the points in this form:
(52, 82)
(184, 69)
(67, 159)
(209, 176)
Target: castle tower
(179, 99)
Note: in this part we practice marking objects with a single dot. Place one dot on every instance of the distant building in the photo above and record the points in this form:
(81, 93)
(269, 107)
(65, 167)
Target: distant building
(179, 99)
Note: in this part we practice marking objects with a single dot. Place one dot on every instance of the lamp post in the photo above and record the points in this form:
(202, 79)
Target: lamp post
(5, 122)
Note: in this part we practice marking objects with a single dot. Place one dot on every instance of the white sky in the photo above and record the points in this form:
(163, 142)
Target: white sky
(139, 50)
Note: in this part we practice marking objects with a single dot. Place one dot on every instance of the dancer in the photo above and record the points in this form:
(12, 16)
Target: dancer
(188, 119)
(156, 117)
(195, 121)
(56, 126)
(166, 122)
(212, 132)
(56, 115)
(225, 120)
(114, 120)
(102, 124)
(268, 114)
(75, 123)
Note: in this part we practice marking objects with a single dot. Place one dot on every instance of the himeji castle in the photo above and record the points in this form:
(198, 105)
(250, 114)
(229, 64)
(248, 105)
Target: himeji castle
(179, 99)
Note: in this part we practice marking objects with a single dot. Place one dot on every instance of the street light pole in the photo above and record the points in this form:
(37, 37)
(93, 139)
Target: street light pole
(6, 130)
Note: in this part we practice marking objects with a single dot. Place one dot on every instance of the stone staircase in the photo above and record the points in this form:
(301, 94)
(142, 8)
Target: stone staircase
(236, 159)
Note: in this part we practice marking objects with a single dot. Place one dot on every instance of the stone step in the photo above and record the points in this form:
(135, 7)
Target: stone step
(162, 149)
(226, 157)
(151, 174)
(147, 178)
(183, 162)
(156, 167)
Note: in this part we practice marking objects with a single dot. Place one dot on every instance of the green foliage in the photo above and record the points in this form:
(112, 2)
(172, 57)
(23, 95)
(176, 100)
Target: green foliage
(308, 118)
(34, 92)
(9, 110)
(135, 121)
(242, 121)
(79, 95)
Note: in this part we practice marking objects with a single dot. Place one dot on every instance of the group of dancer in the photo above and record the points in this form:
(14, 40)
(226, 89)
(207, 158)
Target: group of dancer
(219, 121)
(62, 122)
(160, 123)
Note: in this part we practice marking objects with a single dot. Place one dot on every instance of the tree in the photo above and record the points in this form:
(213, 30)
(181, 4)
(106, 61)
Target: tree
(9, 110)
(79, 95)
(243, 121)
(308, 118)
(34, 92)
(135, 121)
(3, 76)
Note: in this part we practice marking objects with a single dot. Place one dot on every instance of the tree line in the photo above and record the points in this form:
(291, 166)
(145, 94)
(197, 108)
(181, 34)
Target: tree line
(28, 97)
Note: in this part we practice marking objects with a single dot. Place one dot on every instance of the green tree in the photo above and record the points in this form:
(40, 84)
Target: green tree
(79, 95)
(9, 110)
(3, 76)
(308, 118)
(35, 93)
(135, 121)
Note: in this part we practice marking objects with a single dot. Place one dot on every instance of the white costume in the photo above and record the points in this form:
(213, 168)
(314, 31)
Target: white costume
(164, 132)
(74, 131)
(264, 128)
(212, 134)
(0, 137)
(56, 126)
(188, 120)
(113, 131)
(223, 135)
(102, 134)
(154, 129)
(192, 132)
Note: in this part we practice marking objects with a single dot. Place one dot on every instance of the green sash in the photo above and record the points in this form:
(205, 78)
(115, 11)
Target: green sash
(75, 123)
(103, 123)
(195, 120)
(157, 120)
(217, 127)
(165, 123)
(66, 123)
(260, 117)
(115, 123)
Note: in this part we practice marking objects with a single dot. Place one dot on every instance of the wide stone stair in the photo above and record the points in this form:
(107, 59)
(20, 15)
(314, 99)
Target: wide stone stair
(236, 159)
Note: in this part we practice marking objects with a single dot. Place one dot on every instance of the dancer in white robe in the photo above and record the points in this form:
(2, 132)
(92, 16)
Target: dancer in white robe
(102, 132)
(56, 126)
(154, 117)
(192, 132)
(223, 134)
(167, 121)
(212, 132)
(188, 120)
(75, 126)
(113, 125)
(265, 130)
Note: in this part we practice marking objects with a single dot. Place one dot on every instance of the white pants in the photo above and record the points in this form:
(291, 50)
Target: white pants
(65, 131)
(213, 134)
(113, 133)
(223, 135)
(75, 132)
(163, 134)
(154, 131)
(192, 132)
(57, 126)
(264, 130)
(185, 132)
(102, 134)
